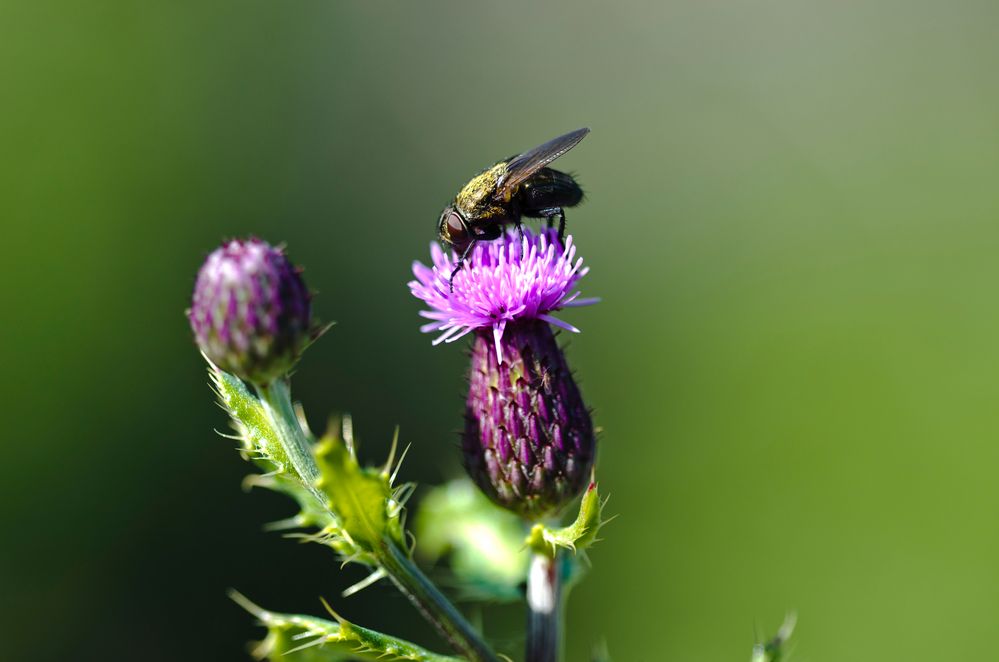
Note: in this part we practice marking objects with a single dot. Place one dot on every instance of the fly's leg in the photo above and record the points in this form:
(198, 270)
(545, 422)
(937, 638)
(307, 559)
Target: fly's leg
(461, 262)
(485, 233)
(549, 216)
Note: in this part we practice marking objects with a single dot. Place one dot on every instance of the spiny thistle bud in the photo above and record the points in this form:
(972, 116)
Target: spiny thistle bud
(250, 311)
(528, 440)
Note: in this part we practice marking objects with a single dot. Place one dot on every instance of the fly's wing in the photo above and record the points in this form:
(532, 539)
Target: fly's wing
(519, 168)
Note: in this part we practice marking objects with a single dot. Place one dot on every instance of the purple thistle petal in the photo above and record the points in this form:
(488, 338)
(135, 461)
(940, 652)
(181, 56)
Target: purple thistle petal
(588, 301)
(510, 279)
(497, 338)
(559, 323)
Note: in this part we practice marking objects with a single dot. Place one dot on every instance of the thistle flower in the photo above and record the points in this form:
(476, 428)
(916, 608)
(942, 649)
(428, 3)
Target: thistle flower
(528, 440)
(250, 311)
(502, 282)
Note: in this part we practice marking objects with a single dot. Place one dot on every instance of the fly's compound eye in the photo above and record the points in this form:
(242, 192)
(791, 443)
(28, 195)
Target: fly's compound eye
(456, 231)
(456, 226)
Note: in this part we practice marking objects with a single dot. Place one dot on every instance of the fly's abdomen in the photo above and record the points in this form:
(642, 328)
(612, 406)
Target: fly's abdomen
(548, 189)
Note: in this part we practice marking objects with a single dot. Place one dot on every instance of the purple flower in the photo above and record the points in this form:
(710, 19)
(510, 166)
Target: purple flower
(250, 311)
(503, 281)
(528, 440)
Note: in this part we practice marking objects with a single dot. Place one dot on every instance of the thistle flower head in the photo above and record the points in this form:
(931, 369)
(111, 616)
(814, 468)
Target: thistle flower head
(250, 311)
(528, 441)
(503, 281)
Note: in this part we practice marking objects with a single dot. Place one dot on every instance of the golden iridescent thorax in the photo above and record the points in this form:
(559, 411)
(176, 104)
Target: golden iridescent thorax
(478, 198)
(501, 195)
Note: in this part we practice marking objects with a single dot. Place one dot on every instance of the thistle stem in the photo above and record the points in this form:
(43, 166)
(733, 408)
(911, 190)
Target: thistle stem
(427, 598)
(276, 399)
(544, 610)
(436, 608)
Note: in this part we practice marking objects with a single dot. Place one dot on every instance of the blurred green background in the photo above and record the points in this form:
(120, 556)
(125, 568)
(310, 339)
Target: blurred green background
(792, 220)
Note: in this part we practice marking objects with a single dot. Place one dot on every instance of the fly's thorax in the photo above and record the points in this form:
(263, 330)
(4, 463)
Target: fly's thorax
(477, 198)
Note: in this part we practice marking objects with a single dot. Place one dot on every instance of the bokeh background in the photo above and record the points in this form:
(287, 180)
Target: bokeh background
(792, 220)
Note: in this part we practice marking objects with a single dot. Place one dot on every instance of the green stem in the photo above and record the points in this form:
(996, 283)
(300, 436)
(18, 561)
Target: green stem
(544, 609)
(436, 608)
(427, 598)
(276, 399)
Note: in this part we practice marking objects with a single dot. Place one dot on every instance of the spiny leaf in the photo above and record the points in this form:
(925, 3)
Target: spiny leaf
(260, 441)
(262, 444)
(357, 511)
(579, 535)
(297, 638)
(362, 498)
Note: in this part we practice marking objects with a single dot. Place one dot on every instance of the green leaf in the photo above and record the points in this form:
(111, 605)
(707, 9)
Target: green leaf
(261, 442)
(353, 509)
(297, 638)
(579, 535)
(484, 542)
(265, 445)
(357, 511)
(367, 508)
